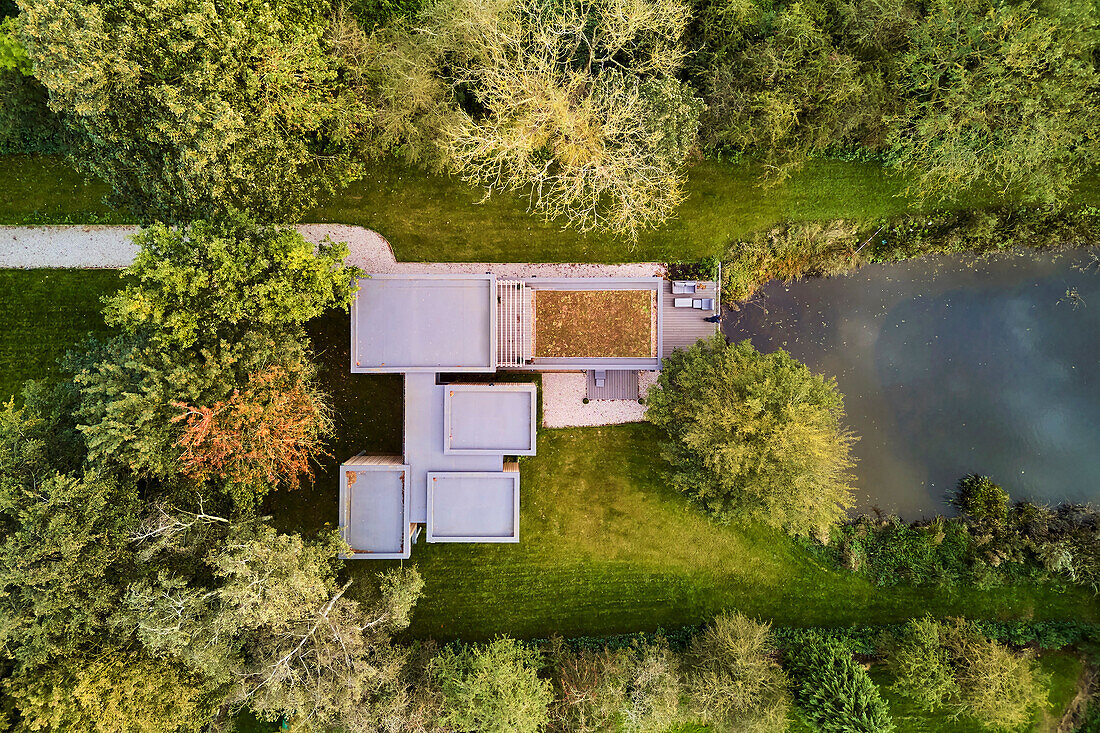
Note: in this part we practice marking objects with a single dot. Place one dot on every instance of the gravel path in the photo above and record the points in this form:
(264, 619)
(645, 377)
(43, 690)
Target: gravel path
(563, 402)
(110, 247)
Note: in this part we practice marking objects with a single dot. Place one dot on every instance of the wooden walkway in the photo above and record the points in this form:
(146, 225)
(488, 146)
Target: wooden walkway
(682, 327)
(620, 384)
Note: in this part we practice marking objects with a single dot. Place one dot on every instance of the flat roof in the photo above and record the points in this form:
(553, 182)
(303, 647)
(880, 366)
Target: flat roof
(428, 323)
(497, 418)
(473, 507)
(374, 510)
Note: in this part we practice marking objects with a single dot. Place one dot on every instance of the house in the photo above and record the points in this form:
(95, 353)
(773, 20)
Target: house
(454, 480)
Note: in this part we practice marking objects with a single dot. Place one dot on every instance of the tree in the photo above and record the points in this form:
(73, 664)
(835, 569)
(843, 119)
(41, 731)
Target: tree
(63, 550)
(922, 665)
(733, 680)
(1000, 94)
(110, 691)
(225, 276)
(492, 688)
(785, 81)
(997, 686)
(188, 109)
(834, 692)
(950, 665)
(754, 437)
(130, 414)
(577, 104)
(264, 434)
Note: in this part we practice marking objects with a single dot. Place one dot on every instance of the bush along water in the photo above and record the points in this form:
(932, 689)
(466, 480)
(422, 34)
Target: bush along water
(989, 543)
(815, 248)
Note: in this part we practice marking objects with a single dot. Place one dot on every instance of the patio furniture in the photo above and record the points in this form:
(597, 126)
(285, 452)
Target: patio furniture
(601, 377)
(680, 287)
(681, 303)
(703, 304)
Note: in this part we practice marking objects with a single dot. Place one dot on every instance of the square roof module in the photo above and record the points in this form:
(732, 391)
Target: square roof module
(424, 323)
(468, 506)
(374, 507)
(483, 419)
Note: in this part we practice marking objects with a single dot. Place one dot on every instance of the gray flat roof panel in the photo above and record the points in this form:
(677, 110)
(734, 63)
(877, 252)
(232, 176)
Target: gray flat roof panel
(424, 441)
(491, 418)
(442, 323)
(473, 507)
(374, 511)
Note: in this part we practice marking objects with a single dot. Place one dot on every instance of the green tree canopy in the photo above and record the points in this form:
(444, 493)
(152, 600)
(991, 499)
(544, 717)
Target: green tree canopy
(834, 691)
(108, 692)
(207, 277)
(734, 680)
(1001, 94)
(754, 437)
(493, 688)
(63, 542)
(189, 109)
(134, 394)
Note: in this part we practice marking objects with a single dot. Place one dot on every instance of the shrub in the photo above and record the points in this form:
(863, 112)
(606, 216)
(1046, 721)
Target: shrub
(492, 688)
(733, 680)
(979, 498)
(653, 690)
(590, 688)
(754, 437)
(952, 664)
(996, 685)
(834, 692)
(921, 665)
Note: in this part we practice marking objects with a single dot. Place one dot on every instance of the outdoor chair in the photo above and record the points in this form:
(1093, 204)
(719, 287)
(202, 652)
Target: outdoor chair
(680, 287)
(704, 304)
(601, 377)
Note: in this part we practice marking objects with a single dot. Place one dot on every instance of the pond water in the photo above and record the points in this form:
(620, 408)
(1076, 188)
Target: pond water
(949, 368)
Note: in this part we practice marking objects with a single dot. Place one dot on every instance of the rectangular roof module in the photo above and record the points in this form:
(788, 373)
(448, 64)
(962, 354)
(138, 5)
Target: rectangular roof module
(374, 507)
(484, 419)
(424, 323)
(467, 506)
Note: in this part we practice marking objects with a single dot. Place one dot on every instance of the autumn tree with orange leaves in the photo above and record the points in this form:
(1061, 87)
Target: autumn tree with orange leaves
(263, 435)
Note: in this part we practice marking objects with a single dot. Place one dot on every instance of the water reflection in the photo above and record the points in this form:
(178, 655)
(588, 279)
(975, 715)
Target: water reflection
(949, 368)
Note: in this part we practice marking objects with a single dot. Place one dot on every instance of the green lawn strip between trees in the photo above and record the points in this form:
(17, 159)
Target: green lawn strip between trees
(439, 218)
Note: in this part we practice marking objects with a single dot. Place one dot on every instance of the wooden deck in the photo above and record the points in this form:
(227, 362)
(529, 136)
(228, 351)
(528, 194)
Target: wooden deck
(682, 327)
(620, 384)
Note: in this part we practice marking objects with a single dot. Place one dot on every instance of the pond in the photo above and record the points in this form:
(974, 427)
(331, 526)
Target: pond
(951, 367)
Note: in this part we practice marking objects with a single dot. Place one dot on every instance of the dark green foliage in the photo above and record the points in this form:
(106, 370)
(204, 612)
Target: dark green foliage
(790, 80)
(63, 535)
(754, 437)
(833, 691)
(1034, 544)
(26, 123)
(979, 498)
(131, 388)
(999, 93)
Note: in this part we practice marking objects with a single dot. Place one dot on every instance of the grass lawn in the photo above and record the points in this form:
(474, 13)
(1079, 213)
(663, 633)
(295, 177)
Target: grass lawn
(44, 314)
(593, 323)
